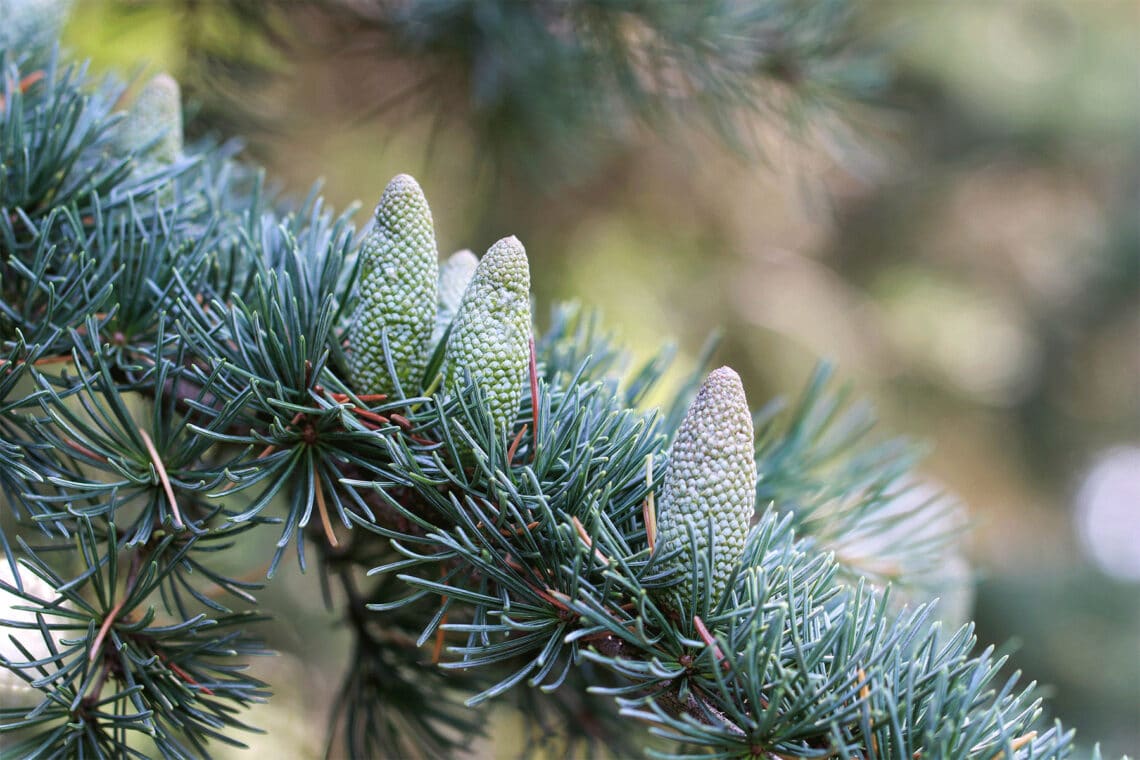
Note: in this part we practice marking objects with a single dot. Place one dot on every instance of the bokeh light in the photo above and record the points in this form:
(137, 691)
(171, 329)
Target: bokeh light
(1108, 512)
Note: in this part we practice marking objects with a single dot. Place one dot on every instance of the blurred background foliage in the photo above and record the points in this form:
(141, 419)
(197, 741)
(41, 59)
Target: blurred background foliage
(944, 198)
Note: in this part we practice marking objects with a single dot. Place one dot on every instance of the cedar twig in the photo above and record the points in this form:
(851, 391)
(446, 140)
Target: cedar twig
(24, 85)
(1017, 744)
(97, 645)
(178, 671)
(515, 444)
(163, 478)
(649, 508)
(707, 637)
(322, 510)
(105, 627)
(578, 526)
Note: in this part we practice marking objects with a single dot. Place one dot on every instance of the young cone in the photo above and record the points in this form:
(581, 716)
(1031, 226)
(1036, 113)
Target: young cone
(454, 275)
(397, 292)
(490, 336)
(711, 477)
(155, 117)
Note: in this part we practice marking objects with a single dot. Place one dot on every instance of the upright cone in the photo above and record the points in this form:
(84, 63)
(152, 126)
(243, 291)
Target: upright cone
(154, 118)
(397, 292)
(711, 477)
(490, 336)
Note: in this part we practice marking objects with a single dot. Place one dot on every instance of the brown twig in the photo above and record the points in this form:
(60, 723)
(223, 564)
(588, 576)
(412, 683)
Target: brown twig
(515, 444)
(25, 83)
(508, 532)
(582, 534)
(322, 510)
(83, 450)
(176, 670)
(42, 362)
(163, 478)
(864, 695)
(865, 688)
(379, 419)
(104, 629)
(97, 645)
(649, 508)
(344, 398)
(707, 637)
(1017, 744)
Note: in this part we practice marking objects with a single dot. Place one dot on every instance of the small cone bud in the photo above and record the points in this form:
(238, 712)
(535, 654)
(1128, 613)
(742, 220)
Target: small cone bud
(155, 118)
(397, 292)
(490, 336)
(711, 475)
(454, 275)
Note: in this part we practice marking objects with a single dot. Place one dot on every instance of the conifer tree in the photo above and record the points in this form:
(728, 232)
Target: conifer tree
(187, 361)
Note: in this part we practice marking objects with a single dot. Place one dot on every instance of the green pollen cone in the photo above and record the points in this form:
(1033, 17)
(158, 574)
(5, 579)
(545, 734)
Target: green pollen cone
(454, 275)
(490, 336)
(155, 117)
(397, 292)
(711, 476)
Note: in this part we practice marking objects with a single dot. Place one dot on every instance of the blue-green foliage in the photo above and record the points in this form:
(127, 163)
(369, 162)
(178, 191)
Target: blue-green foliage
(174, 382)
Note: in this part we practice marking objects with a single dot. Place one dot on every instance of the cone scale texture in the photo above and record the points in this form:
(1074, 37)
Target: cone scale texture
(490, 337)
(397, 292)
(155, 115)
(711, 476)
